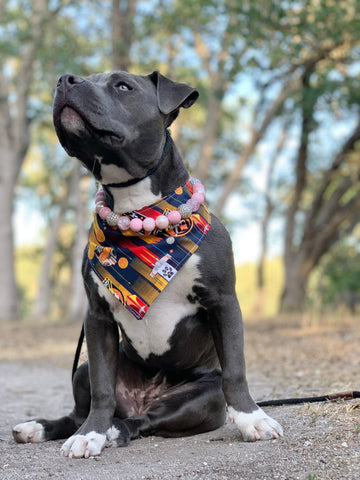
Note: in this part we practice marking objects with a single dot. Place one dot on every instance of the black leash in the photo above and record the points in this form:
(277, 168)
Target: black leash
(78, 351)
(333, 397)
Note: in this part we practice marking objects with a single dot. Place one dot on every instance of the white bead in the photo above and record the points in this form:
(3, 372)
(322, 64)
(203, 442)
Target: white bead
(112, 219)
(185, 210)
(193, 181)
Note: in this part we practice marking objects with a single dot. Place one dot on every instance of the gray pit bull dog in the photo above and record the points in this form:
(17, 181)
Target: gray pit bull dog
(173, 371)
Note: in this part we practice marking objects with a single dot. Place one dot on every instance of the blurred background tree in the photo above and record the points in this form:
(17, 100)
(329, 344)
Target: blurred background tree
(275, 135)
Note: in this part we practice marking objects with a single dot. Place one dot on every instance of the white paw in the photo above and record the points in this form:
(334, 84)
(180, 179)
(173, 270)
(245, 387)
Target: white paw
(29, 432)
(256, 425)
(112, 434)
(79, 446)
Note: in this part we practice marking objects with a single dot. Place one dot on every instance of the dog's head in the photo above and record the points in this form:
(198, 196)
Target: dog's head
(117, 119)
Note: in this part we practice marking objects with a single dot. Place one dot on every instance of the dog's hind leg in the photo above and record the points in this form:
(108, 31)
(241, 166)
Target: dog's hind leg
(185, 409)
(41, 430)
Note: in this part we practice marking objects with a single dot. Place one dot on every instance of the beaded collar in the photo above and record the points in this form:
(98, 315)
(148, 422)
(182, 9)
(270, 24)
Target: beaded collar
(149, 224)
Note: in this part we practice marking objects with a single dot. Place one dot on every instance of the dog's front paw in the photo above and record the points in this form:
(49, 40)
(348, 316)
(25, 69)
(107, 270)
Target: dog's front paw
(256, 425)
(84, 446)
(32, 432)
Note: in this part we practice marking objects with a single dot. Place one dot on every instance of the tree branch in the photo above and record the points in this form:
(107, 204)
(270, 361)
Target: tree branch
(332, 231)
(308, 105)
(328, 177)
(234, 175)
(122, 32)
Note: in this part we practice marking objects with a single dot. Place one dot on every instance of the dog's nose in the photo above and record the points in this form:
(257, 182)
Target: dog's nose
(68, 80)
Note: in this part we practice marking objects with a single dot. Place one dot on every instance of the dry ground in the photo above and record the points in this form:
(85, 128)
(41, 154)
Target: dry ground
(285, 357)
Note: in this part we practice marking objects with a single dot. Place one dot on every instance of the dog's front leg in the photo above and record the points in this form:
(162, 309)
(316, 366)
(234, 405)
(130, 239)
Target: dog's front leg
(102, 339)
(227, 327)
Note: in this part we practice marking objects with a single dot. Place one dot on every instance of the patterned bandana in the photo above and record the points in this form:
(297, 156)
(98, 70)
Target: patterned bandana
(136, 267)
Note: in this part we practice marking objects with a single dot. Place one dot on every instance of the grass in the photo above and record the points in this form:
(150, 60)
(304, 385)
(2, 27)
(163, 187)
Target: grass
(255, 303)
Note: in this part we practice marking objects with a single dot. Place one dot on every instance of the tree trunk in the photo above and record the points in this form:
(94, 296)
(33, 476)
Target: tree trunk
(14, 142)
(294, 291)
(170, 72)
(8, 175)
(269, 207)
(42, 302)
(209, 137)
(8, 290)
(122, 32)
(293, 295)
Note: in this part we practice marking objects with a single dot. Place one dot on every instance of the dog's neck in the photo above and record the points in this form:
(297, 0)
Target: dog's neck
(171, 174)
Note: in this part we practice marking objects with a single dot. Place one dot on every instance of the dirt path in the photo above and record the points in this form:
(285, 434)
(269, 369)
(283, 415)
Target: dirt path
(321, 441)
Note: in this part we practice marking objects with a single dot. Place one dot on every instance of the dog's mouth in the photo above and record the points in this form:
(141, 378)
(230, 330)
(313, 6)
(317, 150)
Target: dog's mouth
(72, 123)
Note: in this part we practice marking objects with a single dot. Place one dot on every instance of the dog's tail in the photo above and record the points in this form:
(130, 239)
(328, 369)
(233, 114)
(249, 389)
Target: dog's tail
(78, 351)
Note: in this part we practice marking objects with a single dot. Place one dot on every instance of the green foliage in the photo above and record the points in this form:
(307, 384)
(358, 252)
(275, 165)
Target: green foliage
(340, 274)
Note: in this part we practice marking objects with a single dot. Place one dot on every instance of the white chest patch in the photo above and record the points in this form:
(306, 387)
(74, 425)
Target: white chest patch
(152, 334)
(136, 196)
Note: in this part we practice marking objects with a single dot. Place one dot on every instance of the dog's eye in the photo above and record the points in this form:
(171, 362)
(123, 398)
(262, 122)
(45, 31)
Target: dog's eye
(123, 87)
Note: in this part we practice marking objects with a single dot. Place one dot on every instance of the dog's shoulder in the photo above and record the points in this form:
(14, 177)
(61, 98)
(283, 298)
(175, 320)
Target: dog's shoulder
(218, 234)
(216, 254)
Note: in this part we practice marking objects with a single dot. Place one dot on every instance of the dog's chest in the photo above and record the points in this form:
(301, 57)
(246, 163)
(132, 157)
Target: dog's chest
(152, 334)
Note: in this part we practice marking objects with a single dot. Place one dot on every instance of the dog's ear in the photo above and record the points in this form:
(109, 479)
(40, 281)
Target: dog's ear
(172, 95)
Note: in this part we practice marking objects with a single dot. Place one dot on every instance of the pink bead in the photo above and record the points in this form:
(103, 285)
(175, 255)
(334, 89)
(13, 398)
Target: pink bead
(199, 188)
(123, 223)
(104, 212)
(162, 222)
(193, 204)
(136, 224)
(174, 217)
(100, 196)
(148, 224)
(199, 197)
